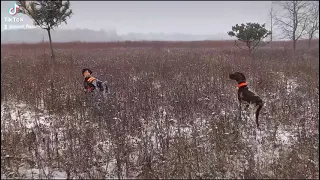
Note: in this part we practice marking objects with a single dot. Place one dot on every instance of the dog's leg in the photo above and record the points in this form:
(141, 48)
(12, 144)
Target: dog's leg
(105, 96)
(106, 87)
(240, 109)
(106, 90)
(260, 104)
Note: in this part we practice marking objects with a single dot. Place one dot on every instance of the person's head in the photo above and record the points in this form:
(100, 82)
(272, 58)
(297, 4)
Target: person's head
(86, 72)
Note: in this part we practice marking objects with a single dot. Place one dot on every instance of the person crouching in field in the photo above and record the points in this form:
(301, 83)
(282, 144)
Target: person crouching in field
(94, 86)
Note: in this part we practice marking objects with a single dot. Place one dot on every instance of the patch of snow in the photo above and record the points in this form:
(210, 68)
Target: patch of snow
(42, 174)
(291, 85)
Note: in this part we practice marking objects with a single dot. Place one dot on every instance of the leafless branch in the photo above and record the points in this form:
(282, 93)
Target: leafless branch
(294, 21)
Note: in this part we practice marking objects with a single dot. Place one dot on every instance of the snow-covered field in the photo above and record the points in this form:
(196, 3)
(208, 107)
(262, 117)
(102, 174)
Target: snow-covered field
(172, 113)
(267, 145)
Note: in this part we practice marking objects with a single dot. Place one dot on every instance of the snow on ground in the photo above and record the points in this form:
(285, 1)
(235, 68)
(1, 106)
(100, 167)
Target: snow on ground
(34, 173)
(292, 84)
(21, 115)
(42, 174)
(24, 114)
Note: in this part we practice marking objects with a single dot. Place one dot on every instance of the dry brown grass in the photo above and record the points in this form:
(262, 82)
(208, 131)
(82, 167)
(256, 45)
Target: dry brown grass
(187, 80)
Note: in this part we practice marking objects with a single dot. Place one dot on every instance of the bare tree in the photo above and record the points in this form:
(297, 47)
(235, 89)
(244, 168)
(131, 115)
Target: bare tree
(313, 21)
(292, 19)
(271, 15)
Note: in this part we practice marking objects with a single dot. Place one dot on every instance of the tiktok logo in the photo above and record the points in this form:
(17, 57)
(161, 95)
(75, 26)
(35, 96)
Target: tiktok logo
(14, 10)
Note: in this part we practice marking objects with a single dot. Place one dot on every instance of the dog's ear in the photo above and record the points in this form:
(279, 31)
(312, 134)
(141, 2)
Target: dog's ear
(86, 69)
(231, 76)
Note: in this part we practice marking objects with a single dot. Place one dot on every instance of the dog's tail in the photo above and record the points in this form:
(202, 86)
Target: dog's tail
(260, 104)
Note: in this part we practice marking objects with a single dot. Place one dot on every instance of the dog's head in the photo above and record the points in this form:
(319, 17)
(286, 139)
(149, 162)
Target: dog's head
(86, 72)
(239, 77)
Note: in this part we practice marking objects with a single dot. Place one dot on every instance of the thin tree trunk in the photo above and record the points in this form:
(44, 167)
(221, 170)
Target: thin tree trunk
(295, 24)
(49, 34)
(249, 47)
(271, 27)
(309, 43)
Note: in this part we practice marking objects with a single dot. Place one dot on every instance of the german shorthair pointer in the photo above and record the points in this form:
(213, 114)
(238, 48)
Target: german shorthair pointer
(245, 95)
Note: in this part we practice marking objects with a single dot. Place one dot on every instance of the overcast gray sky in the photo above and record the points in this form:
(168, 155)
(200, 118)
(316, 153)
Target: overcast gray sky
(206, 17)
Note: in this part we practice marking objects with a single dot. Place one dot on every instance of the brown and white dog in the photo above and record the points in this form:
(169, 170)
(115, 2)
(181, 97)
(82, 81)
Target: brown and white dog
(93, 85)
(245, 95)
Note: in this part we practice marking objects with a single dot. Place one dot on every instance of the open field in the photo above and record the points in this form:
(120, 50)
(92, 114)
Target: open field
(172, 112)
(302, 44)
